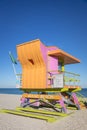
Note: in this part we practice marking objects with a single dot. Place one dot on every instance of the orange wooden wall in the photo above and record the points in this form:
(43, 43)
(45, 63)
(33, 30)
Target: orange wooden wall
(33, 66)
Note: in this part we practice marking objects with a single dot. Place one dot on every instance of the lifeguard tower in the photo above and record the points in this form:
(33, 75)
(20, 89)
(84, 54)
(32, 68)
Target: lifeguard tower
(48, 90)
(44, 79)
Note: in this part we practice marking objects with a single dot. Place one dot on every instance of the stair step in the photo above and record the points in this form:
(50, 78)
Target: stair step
(42, 111)
(21, 113)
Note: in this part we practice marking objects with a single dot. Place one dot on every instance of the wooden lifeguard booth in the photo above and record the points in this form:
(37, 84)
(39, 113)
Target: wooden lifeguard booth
(43, 74)
(48, 90)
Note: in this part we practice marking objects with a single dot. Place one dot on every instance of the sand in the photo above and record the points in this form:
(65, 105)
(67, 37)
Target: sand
(75, 121)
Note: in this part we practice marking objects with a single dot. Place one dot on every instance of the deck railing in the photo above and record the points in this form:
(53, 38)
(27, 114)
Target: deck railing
(19, 80)
(69, 79)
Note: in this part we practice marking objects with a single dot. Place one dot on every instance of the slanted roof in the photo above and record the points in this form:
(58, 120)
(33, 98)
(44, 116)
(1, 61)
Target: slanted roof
(65, 57)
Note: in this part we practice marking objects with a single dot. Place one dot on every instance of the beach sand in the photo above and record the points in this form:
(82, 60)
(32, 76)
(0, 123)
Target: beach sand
(75, 121)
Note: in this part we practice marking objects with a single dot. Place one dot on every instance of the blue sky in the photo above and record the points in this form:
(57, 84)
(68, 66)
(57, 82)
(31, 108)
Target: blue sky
(62, 23)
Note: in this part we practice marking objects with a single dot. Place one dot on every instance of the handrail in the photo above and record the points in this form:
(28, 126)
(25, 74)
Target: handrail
(71, 73)
(63, 72)
(18, 74)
